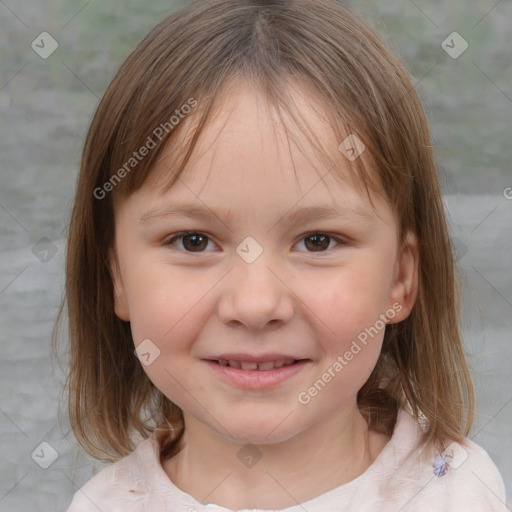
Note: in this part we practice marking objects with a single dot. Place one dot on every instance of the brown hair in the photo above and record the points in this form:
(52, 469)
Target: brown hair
(195, 53)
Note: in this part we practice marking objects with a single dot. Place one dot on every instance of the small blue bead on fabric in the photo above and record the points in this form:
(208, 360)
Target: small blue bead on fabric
(440, 466)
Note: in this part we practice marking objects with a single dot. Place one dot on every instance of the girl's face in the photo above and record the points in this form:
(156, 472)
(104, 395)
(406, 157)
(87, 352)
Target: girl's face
(283, 263)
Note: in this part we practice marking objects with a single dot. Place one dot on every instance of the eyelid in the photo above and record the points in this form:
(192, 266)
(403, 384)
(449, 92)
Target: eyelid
(333, 236)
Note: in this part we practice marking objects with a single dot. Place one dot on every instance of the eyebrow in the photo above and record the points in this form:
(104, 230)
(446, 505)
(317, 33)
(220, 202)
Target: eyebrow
(300, 216)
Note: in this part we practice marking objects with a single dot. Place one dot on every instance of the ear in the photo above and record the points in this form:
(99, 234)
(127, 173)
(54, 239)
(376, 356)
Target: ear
(120, 303)
(405, 282)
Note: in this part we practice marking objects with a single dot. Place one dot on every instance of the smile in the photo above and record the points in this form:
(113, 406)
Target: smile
(257, 376)
(251, 365)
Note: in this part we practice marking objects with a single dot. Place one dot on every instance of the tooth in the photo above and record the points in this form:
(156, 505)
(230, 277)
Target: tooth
(289, 362)
(248, 366)
(234, 364)
(279, 363)
(223, 362)
(269, 365)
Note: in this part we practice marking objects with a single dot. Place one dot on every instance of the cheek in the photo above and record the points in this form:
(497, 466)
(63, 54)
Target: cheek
(348, 308)
(351, 347)
(349, 300)
(165, 306)
(161, 300)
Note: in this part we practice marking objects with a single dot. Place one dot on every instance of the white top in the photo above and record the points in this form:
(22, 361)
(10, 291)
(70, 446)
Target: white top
(402, 478)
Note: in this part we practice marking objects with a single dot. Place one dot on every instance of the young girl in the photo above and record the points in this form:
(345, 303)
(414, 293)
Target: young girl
(260, 283)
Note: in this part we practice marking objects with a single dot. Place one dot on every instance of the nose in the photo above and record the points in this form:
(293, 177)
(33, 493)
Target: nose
(256, 295)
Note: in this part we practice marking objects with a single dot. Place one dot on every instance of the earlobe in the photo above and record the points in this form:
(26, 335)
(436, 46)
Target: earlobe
(120, 303)
(405, 284)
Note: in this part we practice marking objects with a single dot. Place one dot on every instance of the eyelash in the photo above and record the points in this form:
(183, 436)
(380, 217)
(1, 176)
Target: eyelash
(181, 234)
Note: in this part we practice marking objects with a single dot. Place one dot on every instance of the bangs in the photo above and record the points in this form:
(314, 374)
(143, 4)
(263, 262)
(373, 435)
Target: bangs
(350, 161)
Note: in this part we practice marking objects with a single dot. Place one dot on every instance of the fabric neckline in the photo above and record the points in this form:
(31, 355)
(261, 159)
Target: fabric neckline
(148, 462)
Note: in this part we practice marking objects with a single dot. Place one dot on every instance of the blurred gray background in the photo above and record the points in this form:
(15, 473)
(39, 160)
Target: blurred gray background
(46, 105)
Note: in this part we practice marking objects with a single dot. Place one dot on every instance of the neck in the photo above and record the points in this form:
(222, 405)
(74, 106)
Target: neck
(235, 475)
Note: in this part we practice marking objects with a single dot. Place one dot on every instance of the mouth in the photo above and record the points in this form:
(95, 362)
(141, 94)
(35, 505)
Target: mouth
(252, 365)
(257, 374)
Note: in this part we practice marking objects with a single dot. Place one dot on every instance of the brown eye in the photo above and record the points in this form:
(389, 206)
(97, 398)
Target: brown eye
(195, 242)
(191, 241)
(319, 242)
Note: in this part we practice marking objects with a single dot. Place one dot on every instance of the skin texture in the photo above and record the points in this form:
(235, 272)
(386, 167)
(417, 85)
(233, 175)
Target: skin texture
(292, 299)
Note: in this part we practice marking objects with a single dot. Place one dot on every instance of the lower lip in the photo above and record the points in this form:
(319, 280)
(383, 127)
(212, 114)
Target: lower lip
(257, 379)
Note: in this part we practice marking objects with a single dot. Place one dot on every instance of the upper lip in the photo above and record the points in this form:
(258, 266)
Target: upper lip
(254, 358)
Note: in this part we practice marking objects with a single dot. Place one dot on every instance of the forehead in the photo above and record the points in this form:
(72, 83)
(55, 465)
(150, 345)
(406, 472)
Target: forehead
(252, 153)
